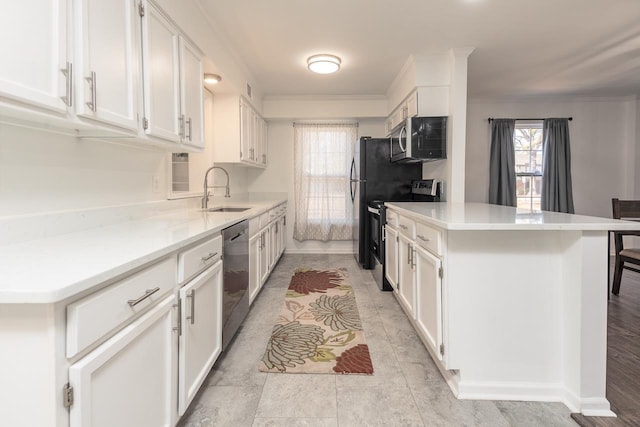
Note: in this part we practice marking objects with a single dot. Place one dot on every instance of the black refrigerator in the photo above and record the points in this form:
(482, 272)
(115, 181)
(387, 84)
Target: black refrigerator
(374, 177)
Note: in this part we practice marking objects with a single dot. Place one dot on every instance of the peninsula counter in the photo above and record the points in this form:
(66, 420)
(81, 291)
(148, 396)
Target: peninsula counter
(512, 305)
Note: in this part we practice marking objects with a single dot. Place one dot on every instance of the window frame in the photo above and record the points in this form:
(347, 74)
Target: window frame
(531, 174)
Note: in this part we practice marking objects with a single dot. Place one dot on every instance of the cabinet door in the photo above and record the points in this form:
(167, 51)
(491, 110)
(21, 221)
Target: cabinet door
(412, 104)
(247, 147)
(161, 76)
(406, 276)
(282, 235)
(429, 298)
(192, 94)
(391, 257)
(130, 380)
(34, 51)
(273, 244)
(263, 142)
(264, 255)
(255, 274)
(106, 61)
(201, 338)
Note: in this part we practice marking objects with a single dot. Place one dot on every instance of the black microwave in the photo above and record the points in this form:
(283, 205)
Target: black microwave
(419, 139)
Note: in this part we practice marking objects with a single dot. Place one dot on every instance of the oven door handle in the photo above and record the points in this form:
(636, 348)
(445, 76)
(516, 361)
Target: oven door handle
(373, 210)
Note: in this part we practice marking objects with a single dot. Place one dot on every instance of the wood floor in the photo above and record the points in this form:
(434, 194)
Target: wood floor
(623, 357)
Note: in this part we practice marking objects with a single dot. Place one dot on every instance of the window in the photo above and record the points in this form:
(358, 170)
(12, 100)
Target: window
(323, 154)
(527, 144)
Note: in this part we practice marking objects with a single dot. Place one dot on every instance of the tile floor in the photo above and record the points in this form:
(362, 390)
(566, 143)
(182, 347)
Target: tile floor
(405, 390)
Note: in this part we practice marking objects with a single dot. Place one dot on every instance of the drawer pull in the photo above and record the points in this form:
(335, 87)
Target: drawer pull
(147, 294)
(423, 238)
(208, 257)
(404, 227)
(192, 297)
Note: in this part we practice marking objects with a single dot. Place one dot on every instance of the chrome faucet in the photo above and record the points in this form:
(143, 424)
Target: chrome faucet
(205, 195)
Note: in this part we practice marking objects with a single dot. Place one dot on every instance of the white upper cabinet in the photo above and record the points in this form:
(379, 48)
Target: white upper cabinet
(106, 61)
(173, 91)
(239, 132)
(192, 94)
(161, 76)
(34, 53)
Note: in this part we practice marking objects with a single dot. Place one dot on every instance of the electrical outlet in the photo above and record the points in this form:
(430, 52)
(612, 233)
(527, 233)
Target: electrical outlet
(155, 183)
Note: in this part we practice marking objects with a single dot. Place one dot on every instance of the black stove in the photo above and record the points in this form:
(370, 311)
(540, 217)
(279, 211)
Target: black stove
(425, 190)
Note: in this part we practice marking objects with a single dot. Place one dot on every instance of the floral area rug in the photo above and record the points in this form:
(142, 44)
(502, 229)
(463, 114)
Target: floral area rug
(319, 328)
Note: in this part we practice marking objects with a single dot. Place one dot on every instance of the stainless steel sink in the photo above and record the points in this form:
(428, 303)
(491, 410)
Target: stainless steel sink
(227, 209)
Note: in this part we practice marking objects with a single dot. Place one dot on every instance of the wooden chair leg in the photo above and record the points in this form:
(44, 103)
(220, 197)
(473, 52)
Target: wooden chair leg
(617, 276)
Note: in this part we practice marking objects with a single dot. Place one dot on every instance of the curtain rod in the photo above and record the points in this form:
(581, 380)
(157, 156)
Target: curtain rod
(490, 119)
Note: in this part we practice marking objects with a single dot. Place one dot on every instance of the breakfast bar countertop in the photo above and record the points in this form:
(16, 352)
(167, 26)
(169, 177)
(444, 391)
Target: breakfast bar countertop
(484, 216)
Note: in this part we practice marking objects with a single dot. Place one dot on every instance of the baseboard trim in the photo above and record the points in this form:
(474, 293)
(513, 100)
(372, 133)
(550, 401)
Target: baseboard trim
(591, 407)
(317, 252)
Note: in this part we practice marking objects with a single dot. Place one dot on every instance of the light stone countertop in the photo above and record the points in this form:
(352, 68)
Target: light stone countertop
(483, 216)
(56, 267)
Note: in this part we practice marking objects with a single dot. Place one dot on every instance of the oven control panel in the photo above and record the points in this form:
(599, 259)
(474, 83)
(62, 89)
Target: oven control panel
(425, 187)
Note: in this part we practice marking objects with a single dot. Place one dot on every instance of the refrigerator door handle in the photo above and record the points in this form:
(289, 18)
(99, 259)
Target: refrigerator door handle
(353, 163)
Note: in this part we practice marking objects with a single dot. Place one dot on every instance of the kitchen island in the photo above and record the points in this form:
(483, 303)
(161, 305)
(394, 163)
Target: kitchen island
(512, 305)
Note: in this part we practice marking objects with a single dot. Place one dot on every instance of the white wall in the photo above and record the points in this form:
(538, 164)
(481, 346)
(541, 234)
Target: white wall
(278, 177)
(48, 172)
(603, 146)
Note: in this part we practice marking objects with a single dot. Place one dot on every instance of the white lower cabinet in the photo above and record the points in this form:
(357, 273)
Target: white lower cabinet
(391, 256)
(406, 275)
(265, 255)
(129, 380)
(200, 341)
(414, 263)
(429, 298)
(265, 248)
(255, 249)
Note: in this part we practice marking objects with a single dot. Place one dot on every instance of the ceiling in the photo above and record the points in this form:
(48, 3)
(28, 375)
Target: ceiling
(522, 47)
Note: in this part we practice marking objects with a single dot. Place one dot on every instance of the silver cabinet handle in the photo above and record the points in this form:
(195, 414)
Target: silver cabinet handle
(404, 227)
(208, 257)
(93, 104)
(409, 253)
(192, 297)
(68, 76)
(423, 238)
(188, 126)
(147, 294)
(178, 326)
(181, 126)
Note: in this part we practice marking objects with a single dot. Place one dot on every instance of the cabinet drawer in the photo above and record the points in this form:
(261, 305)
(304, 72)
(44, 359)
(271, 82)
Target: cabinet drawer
(94, 316)
(429, 238)
(194, 260)
(392, 218)
(407, 226)
(254, 226)
(264, 219)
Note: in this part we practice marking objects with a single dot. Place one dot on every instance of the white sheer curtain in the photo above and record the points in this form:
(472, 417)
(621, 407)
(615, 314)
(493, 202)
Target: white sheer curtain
(322, 156)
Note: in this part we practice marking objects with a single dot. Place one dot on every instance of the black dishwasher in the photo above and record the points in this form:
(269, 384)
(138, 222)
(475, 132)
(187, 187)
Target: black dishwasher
(235, 293)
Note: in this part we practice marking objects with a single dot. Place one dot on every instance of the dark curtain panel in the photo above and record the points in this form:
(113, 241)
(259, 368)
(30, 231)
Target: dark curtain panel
(502, 165)
(557, 193)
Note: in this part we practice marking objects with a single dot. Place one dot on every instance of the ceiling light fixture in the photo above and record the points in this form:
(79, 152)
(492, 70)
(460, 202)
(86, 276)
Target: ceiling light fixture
(324, 63)
(212, 78)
